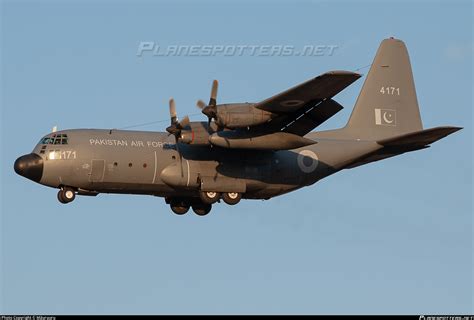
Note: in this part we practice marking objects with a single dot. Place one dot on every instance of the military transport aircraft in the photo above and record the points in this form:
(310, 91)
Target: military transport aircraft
(244, 150)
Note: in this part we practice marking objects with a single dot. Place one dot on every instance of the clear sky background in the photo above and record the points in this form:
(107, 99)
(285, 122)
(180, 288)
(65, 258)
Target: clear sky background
(395, 236)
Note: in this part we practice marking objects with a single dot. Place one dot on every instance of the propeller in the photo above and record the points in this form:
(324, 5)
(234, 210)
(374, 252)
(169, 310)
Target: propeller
(176, 126)
(175, 129)
(210, 110)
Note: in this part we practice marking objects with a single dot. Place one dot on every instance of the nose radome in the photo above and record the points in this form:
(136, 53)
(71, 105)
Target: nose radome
(29, 166)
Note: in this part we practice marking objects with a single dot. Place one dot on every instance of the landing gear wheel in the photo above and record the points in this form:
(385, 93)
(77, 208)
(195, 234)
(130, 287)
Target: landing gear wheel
(61, 197)
(202, 209)
(209, 197)
(179, 207)
(66, 195)
(231, 197)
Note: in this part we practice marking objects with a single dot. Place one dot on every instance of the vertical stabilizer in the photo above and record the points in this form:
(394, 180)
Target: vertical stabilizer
(387, 104)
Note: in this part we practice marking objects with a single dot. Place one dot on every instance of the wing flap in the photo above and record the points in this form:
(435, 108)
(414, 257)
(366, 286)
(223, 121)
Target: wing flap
(313, 118)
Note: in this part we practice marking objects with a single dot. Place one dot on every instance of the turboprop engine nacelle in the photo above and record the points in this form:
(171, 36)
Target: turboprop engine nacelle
(241, 115)
(271, 141)
(196, 133)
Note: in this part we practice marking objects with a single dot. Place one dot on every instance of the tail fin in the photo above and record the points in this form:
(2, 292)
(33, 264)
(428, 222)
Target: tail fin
(387, 104)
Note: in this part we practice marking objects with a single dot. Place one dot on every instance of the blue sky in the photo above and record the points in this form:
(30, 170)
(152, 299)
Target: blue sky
(391, 237)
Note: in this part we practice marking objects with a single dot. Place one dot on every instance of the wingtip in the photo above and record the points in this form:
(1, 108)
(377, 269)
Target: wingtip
(453, 129)
(344, 73)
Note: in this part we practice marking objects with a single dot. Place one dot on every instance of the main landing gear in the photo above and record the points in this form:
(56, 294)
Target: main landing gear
(181, 206)
(231, 198)
(211, 197)
(201, 209)
(66, 195)
(202, 205)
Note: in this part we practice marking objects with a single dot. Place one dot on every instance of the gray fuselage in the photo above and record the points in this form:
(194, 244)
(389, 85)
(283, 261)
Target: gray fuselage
(141, 162)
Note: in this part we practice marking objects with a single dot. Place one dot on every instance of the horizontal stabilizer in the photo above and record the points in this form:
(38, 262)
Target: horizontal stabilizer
(419, 138)
(405, 143)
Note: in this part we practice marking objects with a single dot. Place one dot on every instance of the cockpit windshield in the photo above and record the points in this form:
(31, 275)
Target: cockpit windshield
(59, 138)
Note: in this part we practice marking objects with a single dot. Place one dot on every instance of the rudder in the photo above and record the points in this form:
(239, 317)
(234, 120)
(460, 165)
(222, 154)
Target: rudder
(387, 104)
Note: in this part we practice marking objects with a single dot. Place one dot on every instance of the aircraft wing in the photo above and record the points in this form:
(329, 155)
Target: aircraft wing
(282, 133)
(322, 87)
(303, 120)
(299, 110)
(310, 117)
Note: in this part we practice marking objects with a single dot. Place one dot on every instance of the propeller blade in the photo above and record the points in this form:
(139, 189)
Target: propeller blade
(183, 123)
(201, 104)
(173, 115)
(213, 100)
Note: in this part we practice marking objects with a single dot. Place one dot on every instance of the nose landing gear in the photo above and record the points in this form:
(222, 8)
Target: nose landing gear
(66, 195)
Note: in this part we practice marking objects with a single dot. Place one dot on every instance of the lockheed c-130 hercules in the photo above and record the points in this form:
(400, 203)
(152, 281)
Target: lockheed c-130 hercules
(245, 150)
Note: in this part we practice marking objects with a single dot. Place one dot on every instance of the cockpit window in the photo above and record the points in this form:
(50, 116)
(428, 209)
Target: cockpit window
(59, 138)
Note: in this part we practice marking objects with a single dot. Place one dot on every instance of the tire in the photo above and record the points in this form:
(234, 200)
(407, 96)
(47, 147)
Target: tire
(61, 197)
(209, 197)
(179, 206)
(202, 209)
(232, 198)
(66, 195)
(179, 209)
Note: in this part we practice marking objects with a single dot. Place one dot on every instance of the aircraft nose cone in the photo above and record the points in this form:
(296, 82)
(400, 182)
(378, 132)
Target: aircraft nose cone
(29, 166)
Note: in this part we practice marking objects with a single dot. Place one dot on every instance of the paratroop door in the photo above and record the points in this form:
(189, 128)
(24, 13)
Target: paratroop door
(97, 171)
